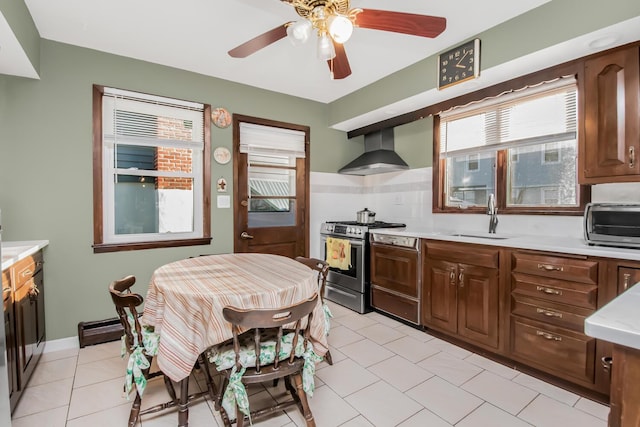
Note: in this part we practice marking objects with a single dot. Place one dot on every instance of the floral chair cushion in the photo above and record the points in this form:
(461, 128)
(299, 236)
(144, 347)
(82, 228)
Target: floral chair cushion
(138, 356)
(224, 357)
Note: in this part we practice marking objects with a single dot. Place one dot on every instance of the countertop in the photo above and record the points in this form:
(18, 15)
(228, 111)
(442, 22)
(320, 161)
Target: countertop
(566, 245)
(618, 321)
(13, 252)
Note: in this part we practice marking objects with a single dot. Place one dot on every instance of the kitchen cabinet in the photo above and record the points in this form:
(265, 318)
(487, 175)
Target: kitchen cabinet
(461, 293)
(551, 296)
(625, 393)
(29, 309)
(10, 342)
(394, 277)
(28, 323)
(610, 148)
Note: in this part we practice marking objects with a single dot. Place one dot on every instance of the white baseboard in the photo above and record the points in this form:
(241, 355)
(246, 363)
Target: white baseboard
(61, 344)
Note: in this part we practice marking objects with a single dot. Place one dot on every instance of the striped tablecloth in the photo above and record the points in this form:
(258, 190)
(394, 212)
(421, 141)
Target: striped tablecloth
(185, 300)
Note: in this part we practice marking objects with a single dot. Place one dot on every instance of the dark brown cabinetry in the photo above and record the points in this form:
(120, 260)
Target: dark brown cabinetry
(394, 280)
(625, 393)
(627, 277)
(551, 296)
(10, 339)
(610, 147)
(461, 291)
(28, 323)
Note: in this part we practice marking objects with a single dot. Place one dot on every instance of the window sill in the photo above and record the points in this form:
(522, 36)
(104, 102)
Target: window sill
(99, 248)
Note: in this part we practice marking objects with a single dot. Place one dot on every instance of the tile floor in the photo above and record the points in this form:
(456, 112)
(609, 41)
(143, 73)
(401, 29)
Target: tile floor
(384, 374)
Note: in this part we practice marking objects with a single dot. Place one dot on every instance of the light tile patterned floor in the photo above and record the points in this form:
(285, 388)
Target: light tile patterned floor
(385, 373)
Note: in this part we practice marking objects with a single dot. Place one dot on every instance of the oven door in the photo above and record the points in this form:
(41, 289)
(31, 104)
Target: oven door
(354, 277)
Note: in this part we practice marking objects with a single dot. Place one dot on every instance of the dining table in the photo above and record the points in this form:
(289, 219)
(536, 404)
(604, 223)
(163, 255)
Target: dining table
(185, 299)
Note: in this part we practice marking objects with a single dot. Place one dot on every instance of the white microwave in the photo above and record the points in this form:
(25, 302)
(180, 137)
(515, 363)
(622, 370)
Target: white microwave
(612, 224)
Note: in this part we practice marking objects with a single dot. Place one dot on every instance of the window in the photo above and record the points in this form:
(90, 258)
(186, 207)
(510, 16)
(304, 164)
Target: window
(520, 146)
(151, 171)
(272, 155)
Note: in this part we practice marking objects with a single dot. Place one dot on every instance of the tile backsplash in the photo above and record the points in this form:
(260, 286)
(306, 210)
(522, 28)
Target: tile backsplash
(406, 197)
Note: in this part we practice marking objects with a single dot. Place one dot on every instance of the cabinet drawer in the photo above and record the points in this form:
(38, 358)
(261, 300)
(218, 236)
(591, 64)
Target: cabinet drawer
(560, 351)
(26, 268)
(549, 312)
(561, 291)
(397, 305)
(577, 270)
(464, 253)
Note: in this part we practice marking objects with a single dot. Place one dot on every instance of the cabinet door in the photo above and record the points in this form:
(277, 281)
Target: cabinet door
(478, 304)
(612, 89)
(627, 277)
(440, 301)
(395, 269)
(26, 333)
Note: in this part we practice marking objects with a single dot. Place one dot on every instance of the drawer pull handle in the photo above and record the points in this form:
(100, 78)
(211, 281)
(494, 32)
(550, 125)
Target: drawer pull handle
(549, 313)
(452, 277)
(549, 267)
(625, 285)
(26, 273)
(632, 157)
(548, 336)
(548, 291)
(6, 291)
(461, 278)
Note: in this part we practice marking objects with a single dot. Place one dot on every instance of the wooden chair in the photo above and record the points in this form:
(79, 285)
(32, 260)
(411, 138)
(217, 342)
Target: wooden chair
(322, 267)
(126, 303)
(264, 337)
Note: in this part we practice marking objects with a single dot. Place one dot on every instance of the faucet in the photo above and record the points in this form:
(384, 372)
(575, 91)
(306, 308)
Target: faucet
(493, 211)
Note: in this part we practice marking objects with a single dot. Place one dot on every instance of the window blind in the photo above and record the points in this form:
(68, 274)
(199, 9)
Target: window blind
(146, 120)
(530, 116)
(267, 140)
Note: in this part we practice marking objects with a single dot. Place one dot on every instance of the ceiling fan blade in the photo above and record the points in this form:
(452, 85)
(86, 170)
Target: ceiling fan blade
(401, 22)
(259, 42)
(340, 64)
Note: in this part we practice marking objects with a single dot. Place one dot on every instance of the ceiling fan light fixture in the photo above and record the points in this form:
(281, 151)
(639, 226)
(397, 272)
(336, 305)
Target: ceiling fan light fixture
(326, 50)
(299, 31)
(340, 28)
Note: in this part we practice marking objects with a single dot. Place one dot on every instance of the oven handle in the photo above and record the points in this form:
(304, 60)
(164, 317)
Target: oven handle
(357, 243)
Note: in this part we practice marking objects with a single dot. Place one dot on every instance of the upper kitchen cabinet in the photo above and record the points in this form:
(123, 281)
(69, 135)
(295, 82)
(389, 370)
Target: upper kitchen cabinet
(610, 147)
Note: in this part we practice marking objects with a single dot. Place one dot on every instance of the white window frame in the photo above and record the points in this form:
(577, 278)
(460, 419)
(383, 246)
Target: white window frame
(150, 104)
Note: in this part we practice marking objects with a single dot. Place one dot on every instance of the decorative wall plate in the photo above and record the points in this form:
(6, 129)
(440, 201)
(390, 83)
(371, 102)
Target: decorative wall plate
(221, 117)
(222, 155)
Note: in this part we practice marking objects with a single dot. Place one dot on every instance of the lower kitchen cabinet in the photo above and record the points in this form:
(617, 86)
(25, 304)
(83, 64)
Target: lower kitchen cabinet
(10, 339)
(625, 393)
(28, 328)
(461, 291)
(551, 296)
(394, 278)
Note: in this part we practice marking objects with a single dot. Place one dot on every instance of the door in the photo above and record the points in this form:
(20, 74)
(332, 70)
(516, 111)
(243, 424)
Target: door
(440, 299)
(271, 187)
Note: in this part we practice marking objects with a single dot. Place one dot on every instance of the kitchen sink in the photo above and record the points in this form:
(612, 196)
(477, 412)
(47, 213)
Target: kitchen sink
(480, 236)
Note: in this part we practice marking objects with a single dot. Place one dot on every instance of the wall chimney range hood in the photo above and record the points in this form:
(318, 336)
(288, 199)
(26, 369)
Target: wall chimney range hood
(379, 156)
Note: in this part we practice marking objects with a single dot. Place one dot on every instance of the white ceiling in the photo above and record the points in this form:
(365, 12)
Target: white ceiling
(195, 35)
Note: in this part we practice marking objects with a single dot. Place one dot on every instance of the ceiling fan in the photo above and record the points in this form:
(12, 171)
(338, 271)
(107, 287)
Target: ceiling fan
(334, 21)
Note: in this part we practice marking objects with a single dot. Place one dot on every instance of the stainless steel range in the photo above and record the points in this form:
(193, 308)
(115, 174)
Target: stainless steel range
(350, 287)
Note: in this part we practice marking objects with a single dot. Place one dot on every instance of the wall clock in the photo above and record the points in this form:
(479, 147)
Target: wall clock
(459, 64)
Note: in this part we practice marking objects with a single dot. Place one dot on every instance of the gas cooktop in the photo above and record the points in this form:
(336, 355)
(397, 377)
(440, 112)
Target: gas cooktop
(377, 224)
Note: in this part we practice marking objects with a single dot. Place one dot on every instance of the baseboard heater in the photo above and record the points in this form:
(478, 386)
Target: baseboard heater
(99, 331)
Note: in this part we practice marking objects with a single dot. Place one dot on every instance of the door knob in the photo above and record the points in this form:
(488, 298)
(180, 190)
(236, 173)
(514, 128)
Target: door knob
(246, 235)
(244, 203)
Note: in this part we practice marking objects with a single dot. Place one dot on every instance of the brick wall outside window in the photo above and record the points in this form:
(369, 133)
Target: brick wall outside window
(174, 159)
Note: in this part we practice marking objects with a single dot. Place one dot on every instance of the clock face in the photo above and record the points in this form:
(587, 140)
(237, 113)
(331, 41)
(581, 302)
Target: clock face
(459, 64)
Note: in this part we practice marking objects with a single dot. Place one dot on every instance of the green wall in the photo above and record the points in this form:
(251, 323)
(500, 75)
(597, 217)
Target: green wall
(46, 168)
(547, 25)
